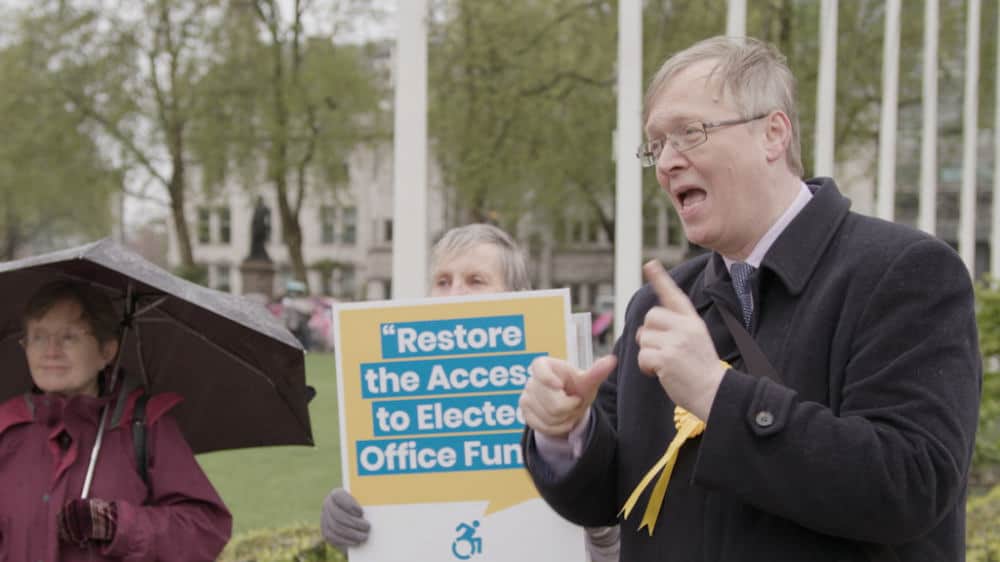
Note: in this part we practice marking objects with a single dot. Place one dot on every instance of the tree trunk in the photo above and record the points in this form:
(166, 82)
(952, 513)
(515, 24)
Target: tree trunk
(177, 188)
(12, 231)
(290, 228)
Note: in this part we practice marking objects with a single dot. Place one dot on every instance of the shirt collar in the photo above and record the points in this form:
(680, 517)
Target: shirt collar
(764, 244)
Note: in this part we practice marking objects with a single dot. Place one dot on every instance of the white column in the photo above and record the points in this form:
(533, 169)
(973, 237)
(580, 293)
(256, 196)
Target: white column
(885, 208)
(736, 18)
(826, 90)
(995, 232)
(967, 200)
(410, 239)
(928, 147)
(628, 173)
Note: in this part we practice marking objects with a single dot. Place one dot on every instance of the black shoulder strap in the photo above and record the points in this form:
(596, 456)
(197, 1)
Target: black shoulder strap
(756, 361)
(139, 436)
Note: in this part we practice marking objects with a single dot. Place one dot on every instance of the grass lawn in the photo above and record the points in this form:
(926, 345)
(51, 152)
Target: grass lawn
(278, 486)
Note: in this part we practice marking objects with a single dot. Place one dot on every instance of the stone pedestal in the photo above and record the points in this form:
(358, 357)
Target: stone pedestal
(258, 277)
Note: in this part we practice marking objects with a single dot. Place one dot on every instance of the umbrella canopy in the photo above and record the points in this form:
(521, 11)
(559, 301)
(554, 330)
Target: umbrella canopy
(242, 374)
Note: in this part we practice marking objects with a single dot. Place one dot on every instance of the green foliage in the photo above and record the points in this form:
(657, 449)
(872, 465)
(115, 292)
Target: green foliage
(46, 154)
(196, 273)
(982, 530)
(986, 461)
(283, 108)
(297, 543)
(522, 105)
(191, 92)
(129, 74)
(320, 104)
(523, 100)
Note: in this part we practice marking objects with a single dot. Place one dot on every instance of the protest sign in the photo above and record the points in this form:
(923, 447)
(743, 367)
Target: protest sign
(431, 428)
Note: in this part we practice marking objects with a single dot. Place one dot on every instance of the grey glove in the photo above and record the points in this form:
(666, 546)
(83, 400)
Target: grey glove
(602, 543)
(343, 522)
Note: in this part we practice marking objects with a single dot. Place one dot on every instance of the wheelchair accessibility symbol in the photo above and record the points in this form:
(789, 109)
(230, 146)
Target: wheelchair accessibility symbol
(467, 544)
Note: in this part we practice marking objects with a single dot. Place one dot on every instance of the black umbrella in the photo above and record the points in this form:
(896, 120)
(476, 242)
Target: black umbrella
(242, 374)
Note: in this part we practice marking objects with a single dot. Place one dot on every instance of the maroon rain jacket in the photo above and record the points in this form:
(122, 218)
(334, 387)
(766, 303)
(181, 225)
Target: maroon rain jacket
(180, 517)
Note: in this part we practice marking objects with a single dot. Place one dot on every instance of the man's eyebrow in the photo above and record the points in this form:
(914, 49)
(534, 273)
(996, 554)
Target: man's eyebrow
(671, 122)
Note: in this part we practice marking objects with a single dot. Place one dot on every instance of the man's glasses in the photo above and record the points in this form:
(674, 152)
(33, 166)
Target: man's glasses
(684, 138)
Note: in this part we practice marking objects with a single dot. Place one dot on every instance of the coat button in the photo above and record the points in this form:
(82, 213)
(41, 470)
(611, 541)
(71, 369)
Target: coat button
(45, 498)
(764, 418)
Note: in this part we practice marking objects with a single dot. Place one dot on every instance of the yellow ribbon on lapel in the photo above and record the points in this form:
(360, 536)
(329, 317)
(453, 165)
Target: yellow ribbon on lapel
(688, 426)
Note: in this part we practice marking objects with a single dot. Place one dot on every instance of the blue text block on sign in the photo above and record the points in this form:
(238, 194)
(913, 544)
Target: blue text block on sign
(459, 375)
(439, 454)
(421, 416)
(458, 336)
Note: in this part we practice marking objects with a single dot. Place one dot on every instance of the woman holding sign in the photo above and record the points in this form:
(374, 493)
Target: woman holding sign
(472, 259)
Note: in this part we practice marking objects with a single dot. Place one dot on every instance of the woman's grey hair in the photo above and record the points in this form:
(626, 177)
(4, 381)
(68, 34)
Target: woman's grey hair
(462, 238)
(753, 72)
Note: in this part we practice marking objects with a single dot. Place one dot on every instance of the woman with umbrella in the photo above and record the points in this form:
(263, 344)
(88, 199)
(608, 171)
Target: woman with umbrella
(146, 498)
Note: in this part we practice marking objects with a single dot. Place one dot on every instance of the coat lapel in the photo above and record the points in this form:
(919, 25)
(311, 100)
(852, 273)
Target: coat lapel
(798, 251)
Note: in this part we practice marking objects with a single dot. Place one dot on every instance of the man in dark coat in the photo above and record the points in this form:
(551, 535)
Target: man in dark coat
(853, 441)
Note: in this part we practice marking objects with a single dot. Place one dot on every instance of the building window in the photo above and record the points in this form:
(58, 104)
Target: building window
(347, 282)
(327, 222)
(325, 282)
(387, 231)
(225, 229)
(204, 225)
(222, 274)
(349, 222)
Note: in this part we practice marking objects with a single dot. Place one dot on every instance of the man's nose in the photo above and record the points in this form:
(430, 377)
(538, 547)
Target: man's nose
(670, 160)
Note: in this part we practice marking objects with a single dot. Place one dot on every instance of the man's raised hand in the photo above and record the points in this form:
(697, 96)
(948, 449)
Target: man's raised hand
(558, 394)
(674, 346)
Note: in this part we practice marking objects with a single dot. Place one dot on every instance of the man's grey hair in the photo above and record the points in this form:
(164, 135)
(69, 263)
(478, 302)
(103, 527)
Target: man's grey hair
(462, 238)
(755, 75)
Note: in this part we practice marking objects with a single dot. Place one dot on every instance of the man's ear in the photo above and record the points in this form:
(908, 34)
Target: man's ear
(777, 135)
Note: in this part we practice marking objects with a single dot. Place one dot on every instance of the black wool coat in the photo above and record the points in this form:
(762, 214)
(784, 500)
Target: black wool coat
(860, 453)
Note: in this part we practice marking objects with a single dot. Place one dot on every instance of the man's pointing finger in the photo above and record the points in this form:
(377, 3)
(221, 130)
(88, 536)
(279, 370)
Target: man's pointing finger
(670, 295)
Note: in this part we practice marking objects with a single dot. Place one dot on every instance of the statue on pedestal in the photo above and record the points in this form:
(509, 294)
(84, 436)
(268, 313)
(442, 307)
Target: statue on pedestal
(257, 269)
(260, 231)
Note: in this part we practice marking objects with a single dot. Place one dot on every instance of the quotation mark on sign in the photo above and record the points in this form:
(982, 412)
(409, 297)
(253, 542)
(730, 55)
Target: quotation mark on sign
(388, 329)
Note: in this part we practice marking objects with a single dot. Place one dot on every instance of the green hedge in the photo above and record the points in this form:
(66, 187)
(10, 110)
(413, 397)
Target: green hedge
(983, 528)
(986, 461)
(298, 543)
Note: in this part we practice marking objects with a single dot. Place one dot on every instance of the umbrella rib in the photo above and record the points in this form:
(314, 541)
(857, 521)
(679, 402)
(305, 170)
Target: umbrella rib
(138, 351)
(167, 317)
(138, 335)
(150, 306)
(90, 281)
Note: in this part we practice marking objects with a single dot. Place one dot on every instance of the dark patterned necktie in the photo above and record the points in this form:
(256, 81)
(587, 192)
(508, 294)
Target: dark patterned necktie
(741, 273)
